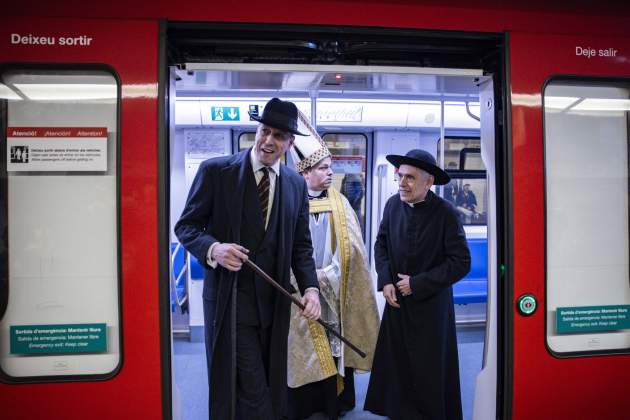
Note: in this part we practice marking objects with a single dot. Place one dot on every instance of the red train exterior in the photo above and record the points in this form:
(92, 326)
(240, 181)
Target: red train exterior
(127, 36)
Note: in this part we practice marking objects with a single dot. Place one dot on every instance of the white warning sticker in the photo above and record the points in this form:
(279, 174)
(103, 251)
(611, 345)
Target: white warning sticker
(56, 149)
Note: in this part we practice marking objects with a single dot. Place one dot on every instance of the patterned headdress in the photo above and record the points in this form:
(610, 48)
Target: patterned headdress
(310, 149)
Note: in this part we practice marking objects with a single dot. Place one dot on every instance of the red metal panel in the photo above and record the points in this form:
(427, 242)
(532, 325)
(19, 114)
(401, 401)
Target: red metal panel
(566, 16)
(130, 48)
(546, 387)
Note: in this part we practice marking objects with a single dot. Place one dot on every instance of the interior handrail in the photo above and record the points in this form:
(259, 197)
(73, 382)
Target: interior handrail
(381, 172)
(182, 273)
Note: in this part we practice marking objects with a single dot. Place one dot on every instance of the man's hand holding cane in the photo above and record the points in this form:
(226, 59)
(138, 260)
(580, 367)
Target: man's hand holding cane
(233, 256)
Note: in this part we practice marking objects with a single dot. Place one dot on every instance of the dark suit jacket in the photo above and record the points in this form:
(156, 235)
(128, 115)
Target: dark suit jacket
(213, 212)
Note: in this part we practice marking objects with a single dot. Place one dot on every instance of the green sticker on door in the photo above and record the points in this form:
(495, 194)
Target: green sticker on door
(592, 318)
(59, 338)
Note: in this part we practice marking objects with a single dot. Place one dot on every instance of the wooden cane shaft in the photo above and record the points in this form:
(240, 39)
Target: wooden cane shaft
(299, 304)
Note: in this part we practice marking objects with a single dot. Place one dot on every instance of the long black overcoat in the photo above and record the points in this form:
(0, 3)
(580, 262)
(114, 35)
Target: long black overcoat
(213, 212)
(415, 375)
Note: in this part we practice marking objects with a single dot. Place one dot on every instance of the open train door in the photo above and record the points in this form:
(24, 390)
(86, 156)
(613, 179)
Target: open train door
(79, 307)
(570, 302)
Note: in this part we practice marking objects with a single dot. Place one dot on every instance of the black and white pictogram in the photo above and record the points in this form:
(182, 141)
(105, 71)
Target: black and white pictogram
(19, 154)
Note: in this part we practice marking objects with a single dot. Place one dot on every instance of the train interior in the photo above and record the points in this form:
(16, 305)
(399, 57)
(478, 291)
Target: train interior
(363, 113)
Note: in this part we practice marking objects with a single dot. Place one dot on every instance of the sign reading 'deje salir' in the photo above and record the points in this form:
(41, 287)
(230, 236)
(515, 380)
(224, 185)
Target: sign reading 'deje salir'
(56, 149)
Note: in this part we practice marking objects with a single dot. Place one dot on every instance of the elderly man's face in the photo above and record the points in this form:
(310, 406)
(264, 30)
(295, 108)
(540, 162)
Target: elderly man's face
(319, 176)
(413, 183)
(271, 144)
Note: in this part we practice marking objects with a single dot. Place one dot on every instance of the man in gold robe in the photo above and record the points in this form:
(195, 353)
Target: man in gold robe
(320, 367)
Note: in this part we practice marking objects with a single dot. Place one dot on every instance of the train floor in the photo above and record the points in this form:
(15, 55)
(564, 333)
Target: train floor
(192, 388)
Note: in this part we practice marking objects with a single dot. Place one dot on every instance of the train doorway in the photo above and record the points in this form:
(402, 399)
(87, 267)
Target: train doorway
(367, 99)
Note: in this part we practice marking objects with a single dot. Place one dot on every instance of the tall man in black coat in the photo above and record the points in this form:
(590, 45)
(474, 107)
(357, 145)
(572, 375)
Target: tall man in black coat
(420, 251)
(249, 206)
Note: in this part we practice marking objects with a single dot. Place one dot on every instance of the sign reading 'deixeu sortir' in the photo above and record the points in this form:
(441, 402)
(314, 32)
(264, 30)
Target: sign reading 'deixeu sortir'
(63, 338)
(56, 149)
(592, 318)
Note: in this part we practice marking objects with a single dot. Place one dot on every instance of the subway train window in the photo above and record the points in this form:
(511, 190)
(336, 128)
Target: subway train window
(59, 211)
(349, 152)
(468, 187)
(454, 158)
(246, 140)
(586, 192)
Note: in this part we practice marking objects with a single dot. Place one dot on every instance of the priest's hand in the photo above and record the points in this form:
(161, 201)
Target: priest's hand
(312, 310)
(230, 256)
(403, 285)
(389, 293)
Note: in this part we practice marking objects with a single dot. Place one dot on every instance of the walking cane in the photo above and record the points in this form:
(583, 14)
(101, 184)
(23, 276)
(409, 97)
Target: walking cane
(299, 304)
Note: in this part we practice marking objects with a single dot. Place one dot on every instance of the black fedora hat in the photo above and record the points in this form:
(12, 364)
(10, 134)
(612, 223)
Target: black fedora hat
(423, 160)
(279, 114)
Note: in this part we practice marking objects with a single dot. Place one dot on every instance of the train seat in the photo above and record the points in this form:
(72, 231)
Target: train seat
(474, 287)
(196, 269)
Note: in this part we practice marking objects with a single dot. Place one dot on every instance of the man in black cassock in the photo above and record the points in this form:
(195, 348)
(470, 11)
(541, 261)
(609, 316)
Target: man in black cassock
(420, 251)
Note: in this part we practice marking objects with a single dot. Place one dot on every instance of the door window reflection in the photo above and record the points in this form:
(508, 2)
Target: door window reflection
(467, 190)
(349, 155)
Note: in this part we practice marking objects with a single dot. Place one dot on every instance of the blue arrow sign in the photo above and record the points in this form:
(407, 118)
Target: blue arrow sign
(225, 113)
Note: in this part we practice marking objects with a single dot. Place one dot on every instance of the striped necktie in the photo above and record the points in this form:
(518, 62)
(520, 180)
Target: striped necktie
(263, 193)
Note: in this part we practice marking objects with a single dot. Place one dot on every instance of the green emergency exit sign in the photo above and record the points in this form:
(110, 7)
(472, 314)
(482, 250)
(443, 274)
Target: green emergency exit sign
(58, 338)
(592, 318)
(225, 113)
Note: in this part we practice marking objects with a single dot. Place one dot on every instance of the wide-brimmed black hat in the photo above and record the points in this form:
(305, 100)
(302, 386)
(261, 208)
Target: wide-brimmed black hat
(423, 160)
(279, 114)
